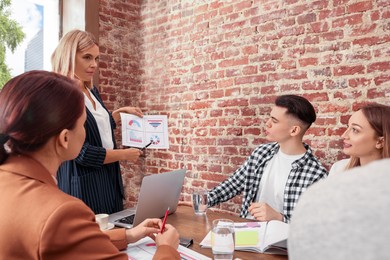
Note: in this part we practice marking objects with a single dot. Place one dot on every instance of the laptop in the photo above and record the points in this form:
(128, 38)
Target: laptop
(158, 193)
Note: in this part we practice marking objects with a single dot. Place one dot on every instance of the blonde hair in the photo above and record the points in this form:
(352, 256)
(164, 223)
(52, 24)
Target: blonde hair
(63, 58)
(378, 118)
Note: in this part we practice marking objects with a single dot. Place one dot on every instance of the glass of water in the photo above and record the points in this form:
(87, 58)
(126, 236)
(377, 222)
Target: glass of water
(199, 201)
(222, 239)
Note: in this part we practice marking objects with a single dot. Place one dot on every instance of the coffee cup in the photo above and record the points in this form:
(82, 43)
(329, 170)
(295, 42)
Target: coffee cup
(102, 220)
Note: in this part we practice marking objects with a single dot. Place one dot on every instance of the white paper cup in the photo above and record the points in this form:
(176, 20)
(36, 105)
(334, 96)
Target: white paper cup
(102, 220)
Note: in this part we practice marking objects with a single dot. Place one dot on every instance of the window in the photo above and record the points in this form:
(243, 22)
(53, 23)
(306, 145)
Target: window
(44, 22)
(40, 23)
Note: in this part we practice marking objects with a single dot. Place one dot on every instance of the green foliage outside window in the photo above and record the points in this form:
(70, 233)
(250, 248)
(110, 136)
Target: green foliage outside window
(11, 35)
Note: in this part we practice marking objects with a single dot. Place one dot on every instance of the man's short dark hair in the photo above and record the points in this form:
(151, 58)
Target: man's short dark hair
(297, 106)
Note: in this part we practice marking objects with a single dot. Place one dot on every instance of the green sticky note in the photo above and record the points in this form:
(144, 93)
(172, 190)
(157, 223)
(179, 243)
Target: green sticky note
(247, 238)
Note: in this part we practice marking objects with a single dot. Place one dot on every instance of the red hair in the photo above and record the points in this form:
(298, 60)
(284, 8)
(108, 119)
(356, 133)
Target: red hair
(36, 106)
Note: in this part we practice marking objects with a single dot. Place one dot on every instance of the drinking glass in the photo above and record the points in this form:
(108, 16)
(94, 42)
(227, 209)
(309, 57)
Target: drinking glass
(199, 201)
(222, 239)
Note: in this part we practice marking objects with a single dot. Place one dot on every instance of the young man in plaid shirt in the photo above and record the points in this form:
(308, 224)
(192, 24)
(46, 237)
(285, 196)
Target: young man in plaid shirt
(277, 173)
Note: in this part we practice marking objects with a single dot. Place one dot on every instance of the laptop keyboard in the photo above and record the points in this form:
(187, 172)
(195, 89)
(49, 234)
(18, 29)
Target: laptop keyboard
(126, 220)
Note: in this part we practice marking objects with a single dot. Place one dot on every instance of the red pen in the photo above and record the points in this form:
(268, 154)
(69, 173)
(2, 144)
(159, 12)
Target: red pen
(164, 221)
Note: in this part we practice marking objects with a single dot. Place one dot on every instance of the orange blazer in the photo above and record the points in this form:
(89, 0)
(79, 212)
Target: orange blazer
(39, 221)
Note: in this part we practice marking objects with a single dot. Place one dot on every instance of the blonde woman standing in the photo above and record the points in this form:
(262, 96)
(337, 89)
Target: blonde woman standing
(94, 175)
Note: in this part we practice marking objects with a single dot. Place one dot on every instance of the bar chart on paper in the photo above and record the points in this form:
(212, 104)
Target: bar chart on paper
(139, 132)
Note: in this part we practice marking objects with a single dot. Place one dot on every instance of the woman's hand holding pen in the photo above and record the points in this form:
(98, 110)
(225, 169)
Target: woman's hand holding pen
(148, 227)
(169, 237)
(124, 154)
(132, 154)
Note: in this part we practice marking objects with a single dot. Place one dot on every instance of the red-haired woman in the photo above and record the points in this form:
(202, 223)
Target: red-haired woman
(42, 116)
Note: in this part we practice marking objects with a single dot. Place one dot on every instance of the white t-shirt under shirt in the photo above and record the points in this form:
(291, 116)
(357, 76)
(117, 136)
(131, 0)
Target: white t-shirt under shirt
(274, 179)
(338, 167)
(102, 119)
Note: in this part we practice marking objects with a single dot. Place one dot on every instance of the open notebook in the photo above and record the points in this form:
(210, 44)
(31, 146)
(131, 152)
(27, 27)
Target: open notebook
(158, 192)
(263, 237)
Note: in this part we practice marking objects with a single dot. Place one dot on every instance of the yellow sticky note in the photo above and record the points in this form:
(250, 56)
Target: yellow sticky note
(247, 238)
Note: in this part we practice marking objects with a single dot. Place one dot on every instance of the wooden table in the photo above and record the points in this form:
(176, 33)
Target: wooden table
(196, 227)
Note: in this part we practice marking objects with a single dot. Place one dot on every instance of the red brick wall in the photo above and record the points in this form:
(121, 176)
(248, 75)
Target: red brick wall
(120, 70)
(215, 68)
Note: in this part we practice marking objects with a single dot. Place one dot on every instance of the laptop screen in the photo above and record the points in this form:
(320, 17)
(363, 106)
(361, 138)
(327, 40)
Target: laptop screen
(158, 192)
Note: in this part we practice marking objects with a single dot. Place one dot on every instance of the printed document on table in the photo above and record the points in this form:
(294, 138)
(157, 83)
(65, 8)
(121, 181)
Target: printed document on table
(145, 248)
(138, 132)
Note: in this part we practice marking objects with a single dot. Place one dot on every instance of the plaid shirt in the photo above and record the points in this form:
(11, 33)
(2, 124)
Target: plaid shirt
(305, 171)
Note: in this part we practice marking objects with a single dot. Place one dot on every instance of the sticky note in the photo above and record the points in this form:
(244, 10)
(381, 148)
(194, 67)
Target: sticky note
(247, 238)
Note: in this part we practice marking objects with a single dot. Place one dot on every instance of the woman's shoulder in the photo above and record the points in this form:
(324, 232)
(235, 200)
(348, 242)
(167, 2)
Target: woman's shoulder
(339, 166)
(67, 210)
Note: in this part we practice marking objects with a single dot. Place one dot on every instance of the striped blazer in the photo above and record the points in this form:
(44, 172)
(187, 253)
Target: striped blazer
(86, 177)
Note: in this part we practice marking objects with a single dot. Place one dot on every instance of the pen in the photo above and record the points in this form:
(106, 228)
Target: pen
(164, 221)
(146, 146)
